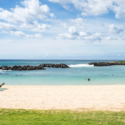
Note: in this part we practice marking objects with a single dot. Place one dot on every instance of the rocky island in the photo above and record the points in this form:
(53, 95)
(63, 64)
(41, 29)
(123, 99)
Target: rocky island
(107, 63)
(39, 67)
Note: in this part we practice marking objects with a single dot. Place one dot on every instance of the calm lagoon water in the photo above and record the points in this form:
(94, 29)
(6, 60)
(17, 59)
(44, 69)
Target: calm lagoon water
(77, 74)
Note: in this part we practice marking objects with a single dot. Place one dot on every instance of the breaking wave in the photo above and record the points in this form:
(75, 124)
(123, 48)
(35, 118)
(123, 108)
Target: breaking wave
(81, 65)
(4, 70)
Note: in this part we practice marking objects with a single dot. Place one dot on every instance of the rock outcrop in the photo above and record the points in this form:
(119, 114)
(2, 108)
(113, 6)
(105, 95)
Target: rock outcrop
(55, 65)
(106, 63)
(40, 67)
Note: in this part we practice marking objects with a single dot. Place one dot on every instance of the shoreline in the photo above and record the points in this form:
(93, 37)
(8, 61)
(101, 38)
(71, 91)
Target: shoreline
(81, 97)
(66, 85)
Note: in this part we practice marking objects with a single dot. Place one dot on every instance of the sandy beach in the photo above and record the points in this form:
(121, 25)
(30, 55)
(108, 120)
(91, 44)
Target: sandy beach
(105, 97)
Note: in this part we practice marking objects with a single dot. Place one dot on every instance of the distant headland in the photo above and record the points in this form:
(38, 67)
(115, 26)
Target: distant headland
(107, 63)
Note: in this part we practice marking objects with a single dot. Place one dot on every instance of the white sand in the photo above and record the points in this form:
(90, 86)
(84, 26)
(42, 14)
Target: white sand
(64, 97)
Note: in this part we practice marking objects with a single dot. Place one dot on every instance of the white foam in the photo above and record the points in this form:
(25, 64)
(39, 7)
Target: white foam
(4, 70)
(1, 70)
(7, 70)
(81, 65)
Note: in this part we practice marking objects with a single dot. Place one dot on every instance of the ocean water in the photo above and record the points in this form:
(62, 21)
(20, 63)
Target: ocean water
(77, 74)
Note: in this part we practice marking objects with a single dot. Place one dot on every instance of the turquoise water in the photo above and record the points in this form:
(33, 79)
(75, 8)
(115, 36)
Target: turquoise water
(77, 74)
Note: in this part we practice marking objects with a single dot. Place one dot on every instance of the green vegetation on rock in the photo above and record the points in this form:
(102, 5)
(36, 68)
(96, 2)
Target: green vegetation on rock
(50, 117)
(122, 61)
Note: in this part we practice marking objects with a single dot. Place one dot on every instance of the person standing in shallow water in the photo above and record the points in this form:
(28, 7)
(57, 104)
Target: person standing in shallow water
(88, 79)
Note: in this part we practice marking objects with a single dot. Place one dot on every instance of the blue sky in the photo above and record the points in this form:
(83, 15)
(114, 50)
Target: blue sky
(68, 29)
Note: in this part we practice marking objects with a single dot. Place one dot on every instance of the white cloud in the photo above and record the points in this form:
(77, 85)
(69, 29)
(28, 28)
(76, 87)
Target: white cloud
(32, 10)
(74, 34)
(96, 7)
(7, 26)
(21, 34)
(73, 31)
(115, 29)
(64, 25)
(112, 38)
(18, 33)
(26, 17)
(35, 26)
(119, 8)
(87, 30)
(83, 34)
(77, 21)
(67, 7)
(92, 30)
(65, 36)
(41, 28)
(60, 1)
(52, 14)
(38, 35)
(93, 37)
(108, 38)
